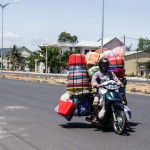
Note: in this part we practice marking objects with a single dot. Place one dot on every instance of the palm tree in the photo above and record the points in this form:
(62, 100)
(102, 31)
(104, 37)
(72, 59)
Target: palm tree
(15, 57)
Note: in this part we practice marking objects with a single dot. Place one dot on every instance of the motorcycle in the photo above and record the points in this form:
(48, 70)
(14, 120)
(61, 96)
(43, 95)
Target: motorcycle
(116, 113)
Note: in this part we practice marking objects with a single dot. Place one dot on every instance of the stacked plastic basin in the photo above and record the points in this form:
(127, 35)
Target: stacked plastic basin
(115, 57)
(78, 79)
(117, 66)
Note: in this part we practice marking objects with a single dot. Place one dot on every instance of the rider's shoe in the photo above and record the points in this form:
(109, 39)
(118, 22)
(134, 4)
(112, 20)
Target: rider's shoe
(124, 102)
(95, 121)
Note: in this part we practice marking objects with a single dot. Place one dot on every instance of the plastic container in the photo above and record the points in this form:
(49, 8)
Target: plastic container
(77, 59)
(119, 72)
(92, 58)
(79, 89)
(65, 107)
(116, 61)
(92, 70)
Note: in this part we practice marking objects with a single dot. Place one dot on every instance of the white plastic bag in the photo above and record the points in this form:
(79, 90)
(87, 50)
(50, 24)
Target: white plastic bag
(128, 113)
(118, 51)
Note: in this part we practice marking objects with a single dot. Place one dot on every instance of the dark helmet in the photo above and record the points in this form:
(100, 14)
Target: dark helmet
(103, 64)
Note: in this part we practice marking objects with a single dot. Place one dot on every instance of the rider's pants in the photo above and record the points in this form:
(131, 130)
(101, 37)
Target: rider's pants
(99, 100)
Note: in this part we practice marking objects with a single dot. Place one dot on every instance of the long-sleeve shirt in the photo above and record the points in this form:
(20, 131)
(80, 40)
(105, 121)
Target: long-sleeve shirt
(100, 77)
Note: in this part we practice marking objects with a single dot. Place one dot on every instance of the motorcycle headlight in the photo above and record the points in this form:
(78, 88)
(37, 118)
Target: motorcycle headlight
(112, 87)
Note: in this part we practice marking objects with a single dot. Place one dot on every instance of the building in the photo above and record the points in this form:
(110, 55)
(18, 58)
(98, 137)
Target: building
(87, 46)
(7, 63)
(108, 43)
(135, 62)
(84, 47)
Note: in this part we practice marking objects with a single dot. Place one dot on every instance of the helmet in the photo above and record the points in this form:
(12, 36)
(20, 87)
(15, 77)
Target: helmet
(103, 64)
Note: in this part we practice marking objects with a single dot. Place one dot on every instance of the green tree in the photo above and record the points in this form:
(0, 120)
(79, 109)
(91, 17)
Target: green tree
(147, 65)
(53, 57)
(67, 38)
(31, 60)
(57, 61)
(144, 45)
(15, 57)
(65, 57)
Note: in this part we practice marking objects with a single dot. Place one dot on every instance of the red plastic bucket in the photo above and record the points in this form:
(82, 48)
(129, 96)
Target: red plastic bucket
(77, 59)
(116, 61)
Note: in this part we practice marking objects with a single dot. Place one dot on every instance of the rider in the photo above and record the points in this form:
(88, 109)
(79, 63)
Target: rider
(99, 77)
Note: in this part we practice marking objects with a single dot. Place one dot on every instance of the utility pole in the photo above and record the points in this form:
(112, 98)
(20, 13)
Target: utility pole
(3, 6)
(102, 35)
(46, 58)
(124, 40)
(136, 63)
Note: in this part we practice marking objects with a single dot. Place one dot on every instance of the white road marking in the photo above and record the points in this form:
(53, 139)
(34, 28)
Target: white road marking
(14, 107)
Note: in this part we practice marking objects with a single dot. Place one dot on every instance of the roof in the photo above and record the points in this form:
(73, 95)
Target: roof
(57, 44)
(21, 49)
(92, 44)
(127, 53)
(5, 51)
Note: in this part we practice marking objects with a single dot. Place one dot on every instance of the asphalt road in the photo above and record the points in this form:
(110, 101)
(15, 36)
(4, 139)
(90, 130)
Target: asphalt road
(28, 122)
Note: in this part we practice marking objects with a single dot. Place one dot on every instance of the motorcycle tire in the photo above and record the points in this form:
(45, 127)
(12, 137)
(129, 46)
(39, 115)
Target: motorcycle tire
(119, 126)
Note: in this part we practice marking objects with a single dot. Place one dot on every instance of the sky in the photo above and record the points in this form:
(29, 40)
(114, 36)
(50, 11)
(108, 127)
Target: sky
(32, 22)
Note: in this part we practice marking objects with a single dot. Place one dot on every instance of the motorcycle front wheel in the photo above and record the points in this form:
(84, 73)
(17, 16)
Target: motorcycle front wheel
(119, 125)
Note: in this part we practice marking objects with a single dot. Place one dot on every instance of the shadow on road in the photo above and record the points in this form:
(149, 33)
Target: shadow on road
(77, 125)
(131, 127)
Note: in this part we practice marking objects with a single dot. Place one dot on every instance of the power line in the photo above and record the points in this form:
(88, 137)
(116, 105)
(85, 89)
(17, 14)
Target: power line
(131, 38)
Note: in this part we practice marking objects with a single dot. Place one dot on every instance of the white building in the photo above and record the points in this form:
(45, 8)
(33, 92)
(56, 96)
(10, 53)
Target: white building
(84, 47)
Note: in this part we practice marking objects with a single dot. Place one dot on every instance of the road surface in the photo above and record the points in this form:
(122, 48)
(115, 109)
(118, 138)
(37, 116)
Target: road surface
(28, 122)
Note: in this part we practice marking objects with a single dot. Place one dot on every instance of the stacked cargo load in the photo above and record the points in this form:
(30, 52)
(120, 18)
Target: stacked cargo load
(79, 85)
(78, 79)
(116, 60)
(92, 59)
(117, 66)
(77, 100)
(115, 57)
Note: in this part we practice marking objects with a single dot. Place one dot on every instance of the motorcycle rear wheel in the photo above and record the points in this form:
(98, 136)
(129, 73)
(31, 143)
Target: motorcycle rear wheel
(119, 126)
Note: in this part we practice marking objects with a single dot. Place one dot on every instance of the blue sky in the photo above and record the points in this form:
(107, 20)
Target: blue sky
(30, 22)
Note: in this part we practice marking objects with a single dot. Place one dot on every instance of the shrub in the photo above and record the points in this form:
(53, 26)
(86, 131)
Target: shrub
(131, 75)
